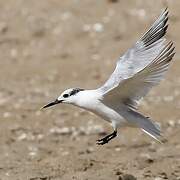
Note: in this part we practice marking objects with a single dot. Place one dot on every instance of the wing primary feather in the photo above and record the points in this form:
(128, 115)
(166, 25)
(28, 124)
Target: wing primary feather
(159, 34)
(158, 42)
(148, 57)
(158, 25)
(163, 15)
(165, 55)
(137, 71)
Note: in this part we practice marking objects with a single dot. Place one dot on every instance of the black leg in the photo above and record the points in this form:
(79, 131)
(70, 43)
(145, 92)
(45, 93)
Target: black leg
(107, 138)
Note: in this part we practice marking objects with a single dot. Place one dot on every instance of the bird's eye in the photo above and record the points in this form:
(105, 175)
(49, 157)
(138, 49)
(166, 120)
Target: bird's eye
(66, 95)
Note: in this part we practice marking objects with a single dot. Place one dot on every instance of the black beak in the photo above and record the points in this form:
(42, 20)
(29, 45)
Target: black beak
(52, 103)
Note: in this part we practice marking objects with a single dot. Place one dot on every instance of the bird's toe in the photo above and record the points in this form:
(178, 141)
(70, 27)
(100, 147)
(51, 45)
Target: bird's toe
(102, 141)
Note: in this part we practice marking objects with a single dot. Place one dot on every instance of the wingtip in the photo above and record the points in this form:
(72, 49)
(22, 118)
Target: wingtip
(166, 10)
(173, 53)
(165, 13)
(170, 43)
(165, 28)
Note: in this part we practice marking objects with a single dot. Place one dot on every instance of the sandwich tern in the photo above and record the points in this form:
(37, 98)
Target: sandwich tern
(136, 72)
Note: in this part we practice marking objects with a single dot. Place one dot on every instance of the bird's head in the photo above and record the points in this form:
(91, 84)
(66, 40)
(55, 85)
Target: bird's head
(69, 96)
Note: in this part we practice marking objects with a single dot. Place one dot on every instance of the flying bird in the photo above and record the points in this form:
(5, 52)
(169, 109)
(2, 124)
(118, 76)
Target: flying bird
(137, 71)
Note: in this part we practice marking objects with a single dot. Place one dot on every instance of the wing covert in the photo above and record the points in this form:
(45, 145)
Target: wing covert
(145, 50)
(131, 90)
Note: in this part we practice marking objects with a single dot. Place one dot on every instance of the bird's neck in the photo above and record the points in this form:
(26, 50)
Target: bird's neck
(88, 99)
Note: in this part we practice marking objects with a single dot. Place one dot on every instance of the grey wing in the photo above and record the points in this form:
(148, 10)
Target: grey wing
(140, 55)
(131, 90)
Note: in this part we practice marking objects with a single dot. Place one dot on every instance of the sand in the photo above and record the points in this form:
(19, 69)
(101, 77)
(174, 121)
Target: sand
(48, 46)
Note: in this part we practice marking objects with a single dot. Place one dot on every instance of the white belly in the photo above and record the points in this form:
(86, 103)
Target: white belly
(90, 102)
(109, 115)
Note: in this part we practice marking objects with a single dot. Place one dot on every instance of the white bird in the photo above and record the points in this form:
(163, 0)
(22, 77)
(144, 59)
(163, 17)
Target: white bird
(136, 72)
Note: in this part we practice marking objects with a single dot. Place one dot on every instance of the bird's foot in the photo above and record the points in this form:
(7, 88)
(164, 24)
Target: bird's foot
(106, 139)
(102, 141)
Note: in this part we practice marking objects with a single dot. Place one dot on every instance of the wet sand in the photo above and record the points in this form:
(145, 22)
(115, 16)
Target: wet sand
(49, 46)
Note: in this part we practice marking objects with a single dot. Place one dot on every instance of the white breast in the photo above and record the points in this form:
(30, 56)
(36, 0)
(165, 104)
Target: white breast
(91, 101)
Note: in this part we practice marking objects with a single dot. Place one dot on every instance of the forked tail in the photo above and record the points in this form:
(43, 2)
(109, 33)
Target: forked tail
(145, 123)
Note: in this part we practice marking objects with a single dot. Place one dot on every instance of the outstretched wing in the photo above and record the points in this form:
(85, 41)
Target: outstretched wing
(132, 89)
(146, 49)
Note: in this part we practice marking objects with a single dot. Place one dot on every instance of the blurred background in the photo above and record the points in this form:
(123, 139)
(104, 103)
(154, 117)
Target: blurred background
(47, 46)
